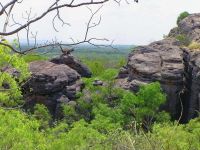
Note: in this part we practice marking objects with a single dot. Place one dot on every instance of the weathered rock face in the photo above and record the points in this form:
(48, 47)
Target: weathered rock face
(175, 67)
(160, 61)
(192, 80)
(190, 26)
(52, 85)
(48, 77)
(73, 63)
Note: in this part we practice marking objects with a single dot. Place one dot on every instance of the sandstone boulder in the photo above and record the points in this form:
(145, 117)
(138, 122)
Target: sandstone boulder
(73, 63)
(48, 77)
(52, 85)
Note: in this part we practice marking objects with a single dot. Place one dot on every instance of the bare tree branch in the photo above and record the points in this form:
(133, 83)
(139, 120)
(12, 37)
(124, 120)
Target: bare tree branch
(50, 9)
(56, 6)
(6, 6)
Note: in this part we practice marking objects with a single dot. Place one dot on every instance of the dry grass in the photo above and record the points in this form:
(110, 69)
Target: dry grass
(194, 46)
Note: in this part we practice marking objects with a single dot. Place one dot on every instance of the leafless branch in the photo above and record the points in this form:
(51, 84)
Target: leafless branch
(3, 9)
(56, 6)
(50, 9)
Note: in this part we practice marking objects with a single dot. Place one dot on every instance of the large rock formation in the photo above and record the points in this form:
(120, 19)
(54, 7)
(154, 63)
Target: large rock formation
(73, 63)
(53, 84)
(160, 61)
(175, 67)
(48, 77)
(192, 80)
(190, 26)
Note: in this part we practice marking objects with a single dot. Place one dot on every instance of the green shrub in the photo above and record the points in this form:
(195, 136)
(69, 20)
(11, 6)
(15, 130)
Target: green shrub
(17, 131)
(144, 106)
(96, 67)
(182, 16)
(42, 114)
(80, 137)
(69, 113)
(33, 57)
(183, 39)
(106, 118)
(176, 137)
(10, 92)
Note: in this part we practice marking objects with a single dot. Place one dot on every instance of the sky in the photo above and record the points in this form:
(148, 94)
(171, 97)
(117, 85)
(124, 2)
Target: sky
(134, 23)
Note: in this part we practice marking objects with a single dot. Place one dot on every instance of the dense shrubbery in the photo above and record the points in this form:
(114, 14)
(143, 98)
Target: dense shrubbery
(10, 93)
(18, 131)
(33, 57)
(105, 117)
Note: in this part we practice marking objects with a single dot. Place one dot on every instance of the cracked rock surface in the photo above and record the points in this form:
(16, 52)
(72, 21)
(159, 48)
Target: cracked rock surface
(53, 84)
(160, 61)
(177, 68)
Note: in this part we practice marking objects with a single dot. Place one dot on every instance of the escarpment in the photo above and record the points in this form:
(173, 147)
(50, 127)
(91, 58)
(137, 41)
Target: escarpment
(174, 65)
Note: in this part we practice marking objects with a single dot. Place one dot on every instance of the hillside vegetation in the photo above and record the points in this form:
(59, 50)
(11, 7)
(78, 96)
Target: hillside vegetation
(107, 117)
(103, 117)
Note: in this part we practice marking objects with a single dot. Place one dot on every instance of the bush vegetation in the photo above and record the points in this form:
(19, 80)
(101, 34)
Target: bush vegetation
(10, 92)
(105, 117)
(183, 39)
(182, 16)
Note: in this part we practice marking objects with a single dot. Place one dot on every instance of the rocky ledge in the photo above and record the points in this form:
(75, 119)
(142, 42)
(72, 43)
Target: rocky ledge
(54, 82)
(176, 67)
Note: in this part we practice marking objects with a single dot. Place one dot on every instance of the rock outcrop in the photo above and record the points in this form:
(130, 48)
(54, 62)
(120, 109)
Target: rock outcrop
(73, 63)
(176, 68)
(160, 61)
(190, 27)
(54, 84)
(192, 82)
(48, 77)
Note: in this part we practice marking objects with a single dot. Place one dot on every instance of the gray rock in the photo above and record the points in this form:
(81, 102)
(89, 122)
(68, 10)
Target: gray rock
(48, 77)
(52, 85)
(190, 26)
(160, 61)
(73, 63)
(192, 71)
(123, 72)
(98, 83)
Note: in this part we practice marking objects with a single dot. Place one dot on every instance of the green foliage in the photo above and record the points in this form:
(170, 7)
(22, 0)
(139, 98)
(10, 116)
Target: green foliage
(176, 137)
(109, 75)
(10, 93)
(182, 16)
(96, 67)
(104, 117)
(33, 57)
(70, 114)
(150, 98)
(144, 106)
(183, 39)
(41, 113)
(17, 131)
(80, 137)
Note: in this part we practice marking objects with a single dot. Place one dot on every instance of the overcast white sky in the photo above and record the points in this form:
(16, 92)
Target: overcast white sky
(135, 23)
